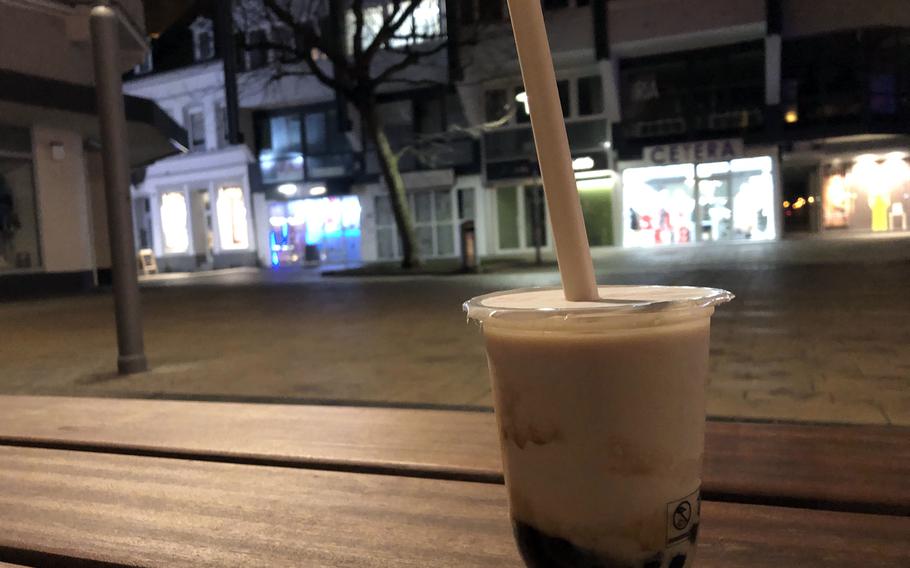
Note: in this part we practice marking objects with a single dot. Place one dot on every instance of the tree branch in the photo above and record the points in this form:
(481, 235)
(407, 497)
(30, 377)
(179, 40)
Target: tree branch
(357, 8)
(282, 14)
(390, 25)
(410, 57)
(310, 39)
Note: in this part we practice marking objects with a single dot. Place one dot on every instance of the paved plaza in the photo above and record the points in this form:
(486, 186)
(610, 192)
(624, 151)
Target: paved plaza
(819, 332)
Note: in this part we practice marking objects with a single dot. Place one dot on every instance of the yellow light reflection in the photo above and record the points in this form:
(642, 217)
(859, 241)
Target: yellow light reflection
(786, 204)
(799, 203)
(791, 116)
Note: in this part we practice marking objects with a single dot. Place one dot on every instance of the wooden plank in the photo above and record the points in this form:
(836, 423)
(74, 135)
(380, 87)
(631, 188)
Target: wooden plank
(128, 510)
(859, 468)
(457, 444)
(852, 468)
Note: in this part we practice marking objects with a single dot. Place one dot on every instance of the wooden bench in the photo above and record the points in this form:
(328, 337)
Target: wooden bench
(96, 482)
(847, 468)
(58, 507)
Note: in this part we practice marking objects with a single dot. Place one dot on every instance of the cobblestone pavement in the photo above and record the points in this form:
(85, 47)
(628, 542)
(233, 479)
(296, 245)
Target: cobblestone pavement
(820, 331)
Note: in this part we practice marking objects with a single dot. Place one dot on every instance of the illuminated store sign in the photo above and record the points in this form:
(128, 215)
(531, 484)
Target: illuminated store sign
(694, 152)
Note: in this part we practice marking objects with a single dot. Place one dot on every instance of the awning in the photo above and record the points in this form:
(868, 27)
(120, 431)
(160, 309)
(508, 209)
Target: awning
(26, 100)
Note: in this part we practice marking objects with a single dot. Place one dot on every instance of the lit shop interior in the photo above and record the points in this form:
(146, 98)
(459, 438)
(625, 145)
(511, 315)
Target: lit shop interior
(683, 203)
(315, 230)
(869, 193)
(186, 221)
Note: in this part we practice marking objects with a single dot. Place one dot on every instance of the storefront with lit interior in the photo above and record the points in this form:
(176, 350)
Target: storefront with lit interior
(868, 192)
(306, 226)
(705, 191)
(194, 211)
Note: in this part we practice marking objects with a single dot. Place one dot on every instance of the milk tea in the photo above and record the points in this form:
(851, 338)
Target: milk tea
(601, 413)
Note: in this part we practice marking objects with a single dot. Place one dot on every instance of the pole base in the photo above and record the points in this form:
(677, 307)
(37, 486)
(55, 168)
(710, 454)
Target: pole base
(130, 364)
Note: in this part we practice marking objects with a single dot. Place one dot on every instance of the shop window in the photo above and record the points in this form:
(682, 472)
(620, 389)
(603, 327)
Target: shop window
(590, 95)
(18, 214)
(507, 216)
(386, 231)
(709, 202)
(232, 219)
(433, 224)
(752, 189)
(174, 222)
(445, 228)
(870, 194)
(659, 205)
(596, 197)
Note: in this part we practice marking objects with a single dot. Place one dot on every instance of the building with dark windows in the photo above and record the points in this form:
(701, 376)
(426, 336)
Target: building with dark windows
(689, 122)
(53, 223)
(320, 196)
(705, 121)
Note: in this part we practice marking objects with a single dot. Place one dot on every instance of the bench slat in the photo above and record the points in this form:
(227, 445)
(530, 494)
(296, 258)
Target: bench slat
(774, 463)
(165, 512)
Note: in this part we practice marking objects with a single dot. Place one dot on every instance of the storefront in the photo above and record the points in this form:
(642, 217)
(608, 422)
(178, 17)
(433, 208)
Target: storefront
(699, 192)
(19, 248)
(521, 220)
(317, 230)
(870, 192)
(202, 226)
(440, 203)
(194, 211)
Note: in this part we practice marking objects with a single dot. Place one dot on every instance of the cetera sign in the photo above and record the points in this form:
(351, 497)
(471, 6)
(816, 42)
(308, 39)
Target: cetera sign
(694, 152)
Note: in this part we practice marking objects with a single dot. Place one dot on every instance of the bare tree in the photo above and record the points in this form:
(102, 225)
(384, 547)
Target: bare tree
(359, 48)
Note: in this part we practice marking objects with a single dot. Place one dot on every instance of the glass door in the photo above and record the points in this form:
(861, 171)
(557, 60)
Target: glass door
(715, 204)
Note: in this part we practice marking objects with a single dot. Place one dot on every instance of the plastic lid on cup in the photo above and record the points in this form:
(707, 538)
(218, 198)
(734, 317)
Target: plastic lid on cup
(547, 307)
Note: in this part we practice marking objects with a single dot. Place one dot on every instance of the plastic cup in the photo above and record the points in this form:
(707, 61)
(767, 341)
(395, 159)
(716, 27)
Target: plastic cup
(601, 413)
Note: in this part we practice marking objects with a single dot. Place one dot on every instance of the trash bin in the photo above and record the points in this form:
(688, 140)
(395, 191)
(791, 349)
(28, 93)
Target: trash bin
(311, 256)
(468, 247)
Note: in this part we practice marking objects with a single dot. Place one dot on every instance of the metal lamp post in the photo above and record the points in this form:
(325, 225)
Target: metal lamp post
(115, 157)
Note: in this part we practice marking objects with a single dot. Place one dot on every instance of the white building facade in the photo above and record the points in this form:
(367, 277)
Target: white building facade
(54, 232)
(195, 210)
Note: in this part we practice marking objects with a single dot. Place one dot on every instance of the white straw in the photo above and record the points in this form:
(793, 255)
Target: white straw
(572, 251)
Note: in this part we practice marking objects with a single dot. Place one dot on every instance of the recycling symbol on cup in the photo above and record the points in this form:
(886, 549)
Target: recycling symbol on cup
(682, 515)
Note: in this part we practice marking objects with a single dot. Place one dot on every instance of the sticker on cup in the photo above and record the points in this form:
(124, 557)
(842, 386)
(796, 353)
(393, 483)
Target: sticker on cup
(682, 518)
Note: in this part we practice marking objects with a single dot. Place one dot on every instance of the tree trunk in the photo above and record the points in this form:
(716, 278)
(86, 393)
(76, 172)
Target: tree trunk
(388, 164)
